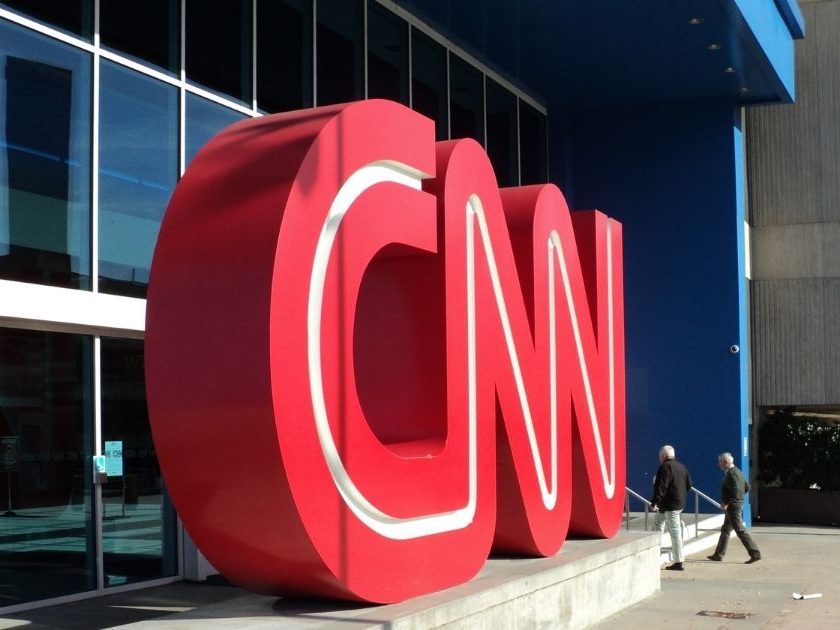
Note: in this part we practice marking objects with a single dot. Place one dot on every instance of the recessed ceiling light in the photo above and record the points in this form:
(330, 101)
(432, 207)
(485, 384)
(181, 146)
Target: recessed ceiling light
(695, 20)
(713, 46)
(730, 70)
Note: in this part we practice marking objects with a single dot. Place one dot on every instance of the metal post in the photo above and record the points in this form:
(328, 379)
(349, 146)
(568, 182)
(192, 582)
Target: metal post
(696, 515)
(9, 491)
(627, 511)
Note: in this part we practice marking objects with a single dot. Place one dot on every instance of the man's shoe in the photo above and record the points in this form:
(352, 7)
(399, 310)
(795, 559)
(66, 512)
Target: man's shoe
(714, 557)
(677, 566)
(753, 559)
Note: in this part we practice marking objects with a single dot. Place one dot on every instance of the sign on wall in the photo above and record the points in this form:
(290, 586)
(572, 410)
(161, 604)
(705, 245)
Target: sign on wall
(383, 365)
(113, 458)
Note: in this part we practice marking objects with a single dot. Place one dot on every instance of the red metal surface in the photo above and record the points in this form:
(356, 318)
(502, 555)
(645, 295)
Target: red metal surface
(333, 412)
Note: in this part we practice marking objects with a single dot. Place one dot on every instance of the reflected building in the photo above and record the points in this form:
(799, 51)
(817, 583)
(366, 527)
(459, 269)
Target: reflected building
(37, 217)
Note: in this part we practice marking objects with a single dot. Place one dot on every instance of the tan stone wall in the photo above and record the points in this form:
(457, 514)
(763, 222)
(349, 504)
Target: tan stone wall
(793, 170)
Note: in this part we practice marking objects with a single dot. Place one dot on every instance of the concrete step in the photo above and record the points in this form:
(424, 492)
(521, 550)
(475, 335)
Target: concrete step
(700, 532)
(696, 537)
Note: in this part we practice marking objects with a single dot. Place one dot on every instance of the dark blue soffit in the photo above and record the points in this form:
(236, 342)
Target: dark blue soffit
(623, 52)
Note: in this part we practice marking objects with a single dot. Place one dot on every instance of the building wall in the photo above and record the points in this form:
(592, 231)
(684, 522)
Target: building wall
(682, 219)
(794, 197)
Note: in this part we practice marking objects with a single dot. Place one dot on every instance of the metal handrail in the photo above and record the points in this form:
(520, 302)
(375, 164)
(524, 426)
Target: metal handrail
(630, 493)
(697, 496)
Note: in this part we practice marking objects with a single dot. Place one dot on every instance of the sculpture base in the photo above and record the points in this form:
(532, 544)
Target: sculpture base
(589, 580)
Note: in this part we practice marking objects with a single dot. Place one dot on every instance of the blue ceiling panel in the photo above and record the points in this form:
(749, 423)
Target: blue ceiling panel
(614, 52)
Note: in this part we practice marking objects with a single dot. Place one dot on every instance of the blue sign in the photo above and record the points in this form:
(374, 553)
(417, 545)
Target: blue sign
(113, 459)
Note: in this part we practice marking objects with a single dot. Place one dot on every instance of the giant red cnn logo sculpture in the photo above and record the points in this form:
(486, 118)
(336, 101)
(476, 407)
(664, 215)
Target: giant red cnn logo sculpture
(367, 366)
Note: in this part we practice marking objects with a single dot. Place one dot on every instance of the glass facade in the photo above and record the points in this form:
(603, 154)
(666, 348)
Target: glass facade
(204, 120)
(149, 30)
(45, 160)
(138, 169)
(502, 133)
(73, 16)
(387, 55)
(466, 100)
(533, 141)
(429, 78)
(284, 55)
(218, 46)
(340, 48)
(94, 133)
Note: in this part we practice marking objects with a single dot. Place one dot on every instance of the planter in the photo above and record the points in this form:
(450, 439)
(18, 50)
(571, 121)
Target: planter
(806, 507)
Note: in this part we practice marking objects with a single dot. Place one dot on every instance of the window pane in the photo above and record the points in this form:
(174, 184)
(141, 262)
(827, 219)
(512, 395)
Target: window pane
(284, 55)
(204, 120)
(501, 134)
(47, 547)
(75, 16)
(138, 167)
(138, 534)
(148, 29)
(466, 100)
(44, 160)
(340, 51)
(534, 152)
(428, 81)
(387, 55)
(218, 46)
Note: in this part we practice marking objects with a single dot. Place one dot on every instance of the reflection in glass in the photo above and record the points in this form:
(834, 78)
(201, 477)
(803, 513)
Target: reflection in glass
(534, 143)
(218, 44)
(428, 81)
(284, 55)
(44, 160)
(75, 16)
(387, 55)
(204, 120)
(138, 531)
(47, 545)
(466, 100)
(501, 134)
(138, 167)
(340, 51)
(147, 29)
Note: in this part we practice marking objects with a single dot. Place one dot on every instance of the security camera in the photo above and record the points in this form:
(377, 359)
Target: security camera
(734, 349)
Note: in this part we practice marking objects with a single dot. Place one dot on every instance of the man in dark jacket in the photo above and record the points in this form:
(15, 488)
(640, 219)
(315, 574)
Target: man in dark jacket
(670, 488)
(732, 491)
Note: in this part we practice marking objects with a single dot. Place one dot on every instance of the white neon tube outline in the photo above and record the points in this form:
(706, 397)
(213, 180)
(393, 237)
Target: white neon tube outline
(549, 495)
(476, 209)
(374, 518)
(414, 527)
(555, 243)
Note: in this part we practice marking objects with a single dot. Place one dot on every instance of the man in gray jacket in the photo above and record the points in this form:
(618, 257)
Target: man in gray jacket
(732, 491)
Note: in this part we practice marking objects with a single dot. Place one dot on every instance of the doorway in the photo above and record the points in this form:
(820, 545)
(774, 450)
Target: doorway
(63, 399)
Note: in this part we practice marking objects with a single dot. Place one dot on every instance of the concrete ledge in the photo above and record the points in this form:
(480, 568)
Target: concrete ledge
(589, 580)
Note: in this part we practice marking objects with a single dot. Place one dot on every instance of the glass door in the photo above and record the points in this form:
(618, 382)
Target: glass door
(54, 539)
(139, 530)
(47, 532)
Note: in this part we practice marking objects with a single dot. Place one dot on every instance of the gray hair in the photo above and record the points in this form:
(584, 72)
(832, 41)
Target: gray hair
(726, 457)
(667, 451)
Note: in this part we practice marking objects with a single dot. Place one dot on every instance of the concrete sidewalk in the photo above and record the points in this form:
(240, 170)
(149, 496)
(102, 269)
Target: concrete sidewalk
(796, 559)
(713, 594)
